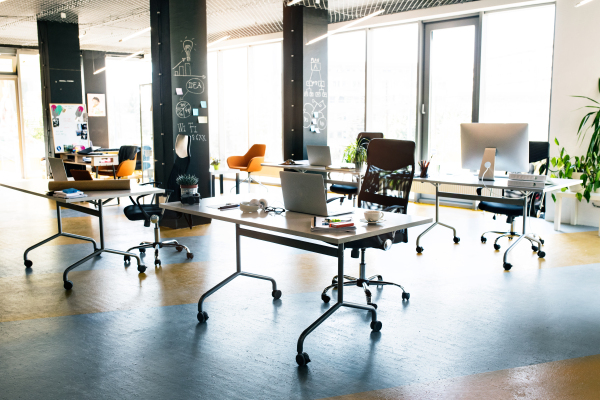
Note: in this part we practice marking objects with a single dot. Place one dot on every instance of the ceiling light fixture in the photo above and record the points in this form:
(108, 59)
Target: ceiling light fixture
(219, 40)
(291, 3)
(135, 34)
(100, 70)
(343, 28)
(83, 34)
(123, 59)
(582, 3)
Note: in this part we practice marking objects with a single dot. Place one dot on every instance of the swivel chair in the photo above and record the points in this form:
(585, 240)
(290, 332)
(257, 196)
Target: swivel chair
(249, 162)
(386, 187)
(152, 213)
(349, 190)
(127, 162)
(538, 151)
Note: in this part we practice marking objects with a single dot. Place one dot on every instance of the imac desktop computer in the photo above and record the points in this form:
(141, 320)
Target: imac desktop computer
(490, 147)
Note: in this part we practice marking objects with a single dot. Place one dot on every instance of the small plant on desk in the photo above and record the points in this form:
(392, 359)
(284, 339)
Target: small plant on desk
(215, 162)
(188, 183)
(356, 153)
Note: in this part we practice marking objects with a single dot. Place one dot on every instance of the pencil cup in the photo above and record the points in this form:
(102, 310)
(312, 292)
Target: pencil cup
(423, 172)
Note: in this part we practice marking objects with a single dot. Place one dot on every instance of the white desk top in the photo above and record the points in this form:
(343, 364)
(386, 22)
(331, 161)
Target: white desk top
(498, 183)
(292, 223)
(303, 164)
(40, 188)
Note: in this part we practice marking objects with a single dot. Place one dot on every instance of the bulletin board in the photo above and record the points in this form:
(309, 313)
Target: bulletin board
(68, 126)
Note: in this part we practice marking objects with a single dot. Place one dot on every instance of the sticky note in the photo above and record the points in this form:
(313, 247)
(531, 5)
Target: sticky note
(314, 121)
(202, 120)
(203, 104)
(195, 112)
(312, 128)
(316, 114)
(179, 91)
(317, 130)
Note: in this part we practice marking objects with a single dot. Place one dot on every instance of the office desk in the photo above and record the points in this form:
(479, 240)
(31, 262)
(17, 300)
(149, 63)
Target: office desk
(303, 166)
(77, 159)
(499, 183)
(40, 188)
(298, 225)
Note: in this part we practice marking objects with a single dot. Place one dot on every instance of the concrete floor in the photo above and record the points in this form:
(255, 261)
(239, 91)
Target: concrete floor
(470, 330)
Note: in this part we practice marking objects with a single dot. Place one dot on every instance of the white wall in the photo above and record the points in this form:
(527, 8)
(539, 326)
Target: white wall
(576, 71)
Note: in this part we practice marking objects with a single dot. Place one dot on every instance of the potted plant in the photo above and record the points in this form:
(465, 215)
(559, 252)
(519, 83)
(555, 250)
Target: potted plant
(188, 184)
(566, 167)
(215, 162)
(356, 153)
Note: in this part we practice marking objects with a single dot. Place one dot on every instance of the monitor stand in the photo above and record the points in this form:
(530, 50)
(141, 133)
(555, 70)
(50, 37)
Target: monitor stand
(486, 171)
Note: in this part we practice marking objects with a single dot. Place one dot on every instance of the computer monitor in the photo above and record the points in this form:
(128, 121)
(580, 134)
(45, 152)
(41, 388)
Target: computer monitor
(510, 141)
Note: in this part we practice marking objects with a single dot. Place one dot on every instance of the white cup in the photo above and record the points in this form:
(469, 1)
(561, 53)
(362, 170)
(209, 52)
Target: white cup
(373, 216)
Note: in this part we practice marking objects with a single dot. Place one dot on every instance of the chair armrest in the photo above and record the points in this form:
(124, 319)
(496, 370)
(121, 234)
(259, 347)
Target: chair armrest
(234, 161)
(254, 164)
(479, 190)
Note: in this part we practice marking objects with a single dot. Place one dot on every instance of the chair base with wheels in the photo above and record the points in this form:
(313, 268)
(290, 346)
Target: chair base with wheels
(534, 239)
(157, 244)
(362, 281)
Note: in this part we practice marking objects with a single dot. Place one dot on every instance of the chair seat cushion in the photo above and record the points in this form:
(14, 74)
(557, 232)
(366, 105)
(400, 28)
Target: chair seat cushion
(511, 210)
(343, 189)
(133, 212)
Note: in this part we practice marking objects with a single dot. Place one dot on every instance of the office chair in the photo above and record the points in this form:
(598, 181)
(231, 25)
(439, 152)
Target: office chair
(152, 213)
(538, 151)
(386, 187)
(349, 190)
(127, 157)
(249, 162)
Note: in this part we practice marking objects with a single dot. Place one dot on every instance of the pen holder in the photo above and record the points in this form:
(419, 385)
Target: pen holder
(423, 173)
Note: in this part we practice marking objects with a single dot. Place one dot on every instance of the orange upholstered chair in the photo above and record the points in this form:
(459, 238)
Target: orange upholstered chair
(249, 162)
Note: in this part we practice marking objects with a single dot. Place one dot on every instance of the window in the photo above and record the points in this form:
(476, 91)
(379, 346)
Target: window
(517, 68)
(10, 160)
(123, 80)
(392, 81)
(213, 104)
(346, 97)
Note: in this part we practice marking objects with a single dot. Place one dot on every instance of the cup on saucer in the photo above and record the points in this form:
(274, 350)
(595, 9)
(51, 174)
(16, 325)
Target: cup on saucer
(373, 215)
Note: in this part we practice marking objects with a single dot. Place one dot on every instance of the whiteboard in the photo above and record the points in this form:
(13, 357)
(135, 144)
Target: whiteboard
(68, 126)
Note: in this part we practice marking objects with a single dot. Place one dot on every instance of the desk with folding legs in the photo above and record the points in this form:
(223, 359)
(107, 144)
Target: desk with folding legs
(39, 188)
(293, 224)
(499, 183)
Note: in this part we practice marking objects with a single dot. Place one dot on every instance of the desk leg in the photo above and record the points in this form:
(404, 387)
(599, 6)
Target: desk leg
(97, 168)
(28, 263)
(558, 213)
(437, 221)
(237, 183)
(203, 315)
(212, 187)
(524, 235)
(221, 183)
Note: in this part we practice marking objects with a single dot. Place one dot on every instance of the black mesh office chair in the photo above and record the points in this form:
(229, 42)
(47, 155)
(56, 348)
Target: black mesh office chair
(538, 152)
(349, 190)
(386, 187)
(152, 213)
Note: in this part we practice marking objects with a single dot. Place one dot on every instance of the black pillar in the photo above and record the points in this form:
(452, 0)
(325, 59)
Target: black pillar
(95, 83)
(179, 61)
(60, 66)
(304, 80)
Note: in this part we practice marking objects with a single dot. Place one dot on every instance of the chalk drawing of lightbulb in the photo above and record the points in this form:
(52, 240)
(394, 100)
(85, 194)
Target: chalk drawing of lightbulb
(187, 47)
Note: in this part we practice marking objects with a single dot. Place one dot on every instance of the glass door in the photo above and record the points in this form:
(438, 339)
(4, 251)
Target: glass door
(10, 137)
(450, 90)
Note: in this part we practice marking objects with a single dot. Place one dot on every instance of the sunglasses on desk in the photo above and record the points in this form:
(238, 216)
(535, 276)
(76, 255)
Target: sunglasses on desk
(276, 210)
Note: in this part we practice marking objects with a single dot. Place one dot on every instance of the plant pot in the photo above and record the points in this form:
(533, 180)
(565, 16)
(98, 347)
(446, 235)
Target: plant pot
(188, 189)
(576, 188)
(216, 167)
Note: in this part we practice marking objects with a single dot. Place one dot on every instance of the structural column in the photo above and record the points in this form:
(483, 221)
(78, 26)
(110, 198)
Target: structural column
(95, 83)
(305, 85)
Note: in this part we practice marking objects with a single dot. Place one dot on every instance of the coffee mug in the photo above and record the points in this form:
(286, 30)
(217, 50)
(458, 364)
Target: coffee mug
(373, 216)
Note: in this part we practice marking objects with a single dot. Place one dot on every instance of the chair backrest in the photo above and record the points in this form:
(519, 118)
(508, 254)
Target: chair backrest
(257, 150)
(127, 153)
(389, 175)
(539, 151)
(125, 168)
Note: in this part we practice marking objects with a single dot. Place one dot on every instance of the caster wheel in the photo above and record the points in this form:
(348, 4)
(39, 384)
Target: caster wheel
(534, 248)
(419, 249)
(405, 296)
(541, 254)
(126, 258)
(379, 278)
(157, 263)
(141, 268)
(376, 326)
(325, 298)
(28, 263)
(496, 246)
(456, 239)
(507, 266)
(190, 256)
(541, 241)
(302, 359)
(483, 239)
(179, 248)
(276, 294)
(68, 285)
(202, 316)
(143, 251)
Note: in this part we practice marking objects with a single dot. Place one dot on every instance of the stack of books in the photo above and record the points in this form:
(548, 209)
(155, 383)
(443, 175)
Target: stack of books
(341, 224)
(69, 194)
(526, 180)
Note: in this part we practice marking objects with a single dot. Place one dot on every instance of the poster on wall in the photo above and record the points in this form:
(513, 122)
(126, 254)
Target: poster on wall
(96, 104)
(68, 127)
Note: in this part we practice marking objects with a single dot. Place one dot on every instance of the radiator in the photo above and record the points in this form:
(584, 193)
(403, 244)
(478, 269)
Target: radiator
(427, 188)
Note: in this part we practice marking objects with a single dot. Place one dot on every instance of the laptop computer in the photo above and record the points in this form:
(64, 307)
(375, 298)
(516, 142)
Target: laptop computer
(305, 193)
(57, 166)
(319, 156)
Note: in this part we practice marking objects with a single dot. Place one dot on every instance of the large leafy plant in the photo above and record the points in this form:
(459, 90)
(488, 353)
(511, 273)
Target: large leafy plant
(564, 166)
(356, 153)
(591, 170)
